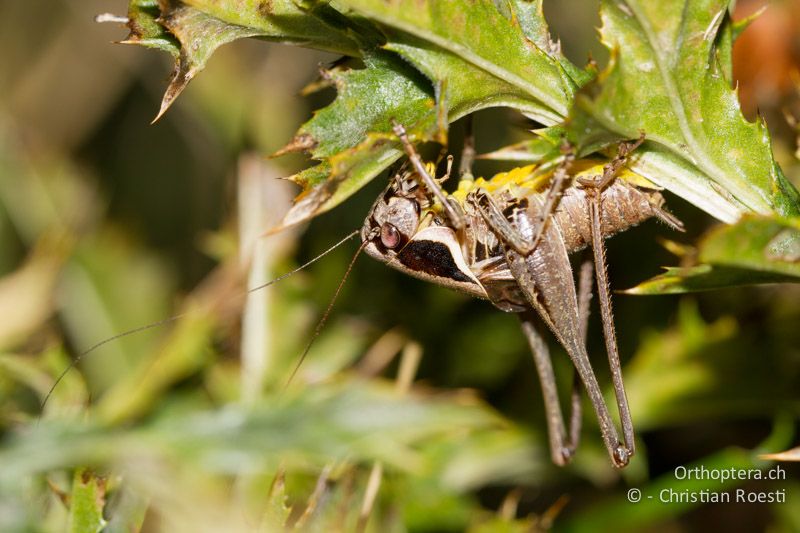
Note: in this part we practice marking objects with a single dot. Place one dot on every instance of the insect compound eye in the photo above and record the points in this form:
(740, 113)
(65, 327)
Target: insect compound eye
(390, 236)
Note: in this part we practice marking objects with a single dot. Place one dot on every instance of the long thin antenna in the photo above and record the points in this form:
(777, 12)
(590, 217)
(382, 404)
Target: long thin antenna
(324, 318)
(301, 267)
(72, 364)
(174, 318)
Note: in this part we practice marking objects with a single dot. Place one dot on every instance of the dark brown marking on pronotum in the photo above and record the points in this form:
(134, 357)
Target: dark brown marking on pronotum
(431, 257)
(480, 251)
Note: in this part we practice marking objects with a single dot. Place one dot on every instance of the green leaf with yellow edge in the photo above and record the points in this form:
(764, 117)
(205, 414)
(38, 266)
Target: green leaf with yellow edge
(87, 500)
(668, 78)
(754, 250)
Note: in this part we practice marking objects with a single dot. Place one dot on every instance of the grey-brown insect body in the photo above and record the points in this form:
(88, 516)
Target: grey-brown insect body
(508, 241)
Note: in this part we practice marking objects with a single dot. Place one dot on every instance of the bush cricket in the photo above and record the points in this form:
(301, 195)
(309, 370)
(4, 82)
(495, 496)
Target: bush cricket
(507, 240)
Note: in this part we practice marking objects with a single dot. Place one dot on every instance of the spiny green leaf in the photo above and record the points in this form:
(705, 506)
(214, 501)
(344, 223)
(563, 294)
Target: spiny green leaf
(679, 175)
(352, 132)
(192, 31)
(368, 100)
(530, 17)
(281, 21)
(464, 87)
(199, 35)
(481, 36)
(755, 250)
(665, 79)
(472, 59)
(679, 280)
(767, 245)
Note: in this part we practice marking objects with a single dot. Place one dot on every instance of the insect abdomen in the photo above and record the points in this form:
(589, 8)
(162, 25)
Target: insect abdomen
(624, 206)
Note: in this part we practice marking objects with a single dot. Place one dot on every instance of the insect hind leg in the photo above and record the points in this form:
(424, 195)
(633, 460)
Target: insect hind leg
(594, 189)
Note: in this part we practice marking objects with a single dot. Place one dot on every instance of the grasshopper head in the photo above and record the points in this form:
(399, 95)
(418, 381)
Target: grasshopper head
(404, 231)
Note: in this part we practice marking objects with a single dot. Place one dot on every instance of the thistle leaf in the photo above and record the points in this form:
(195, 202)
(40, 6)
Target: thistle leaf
(754, 250)
(87, 500)
(480, 35)
(355, 146)
(145, 30)
(191, 31)
(669, 78)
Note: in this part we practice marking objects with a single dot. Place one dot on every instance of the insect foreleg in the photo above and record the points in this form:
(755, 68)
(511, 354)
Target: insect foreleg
(498, 222)
(553, 195)
(456, 218)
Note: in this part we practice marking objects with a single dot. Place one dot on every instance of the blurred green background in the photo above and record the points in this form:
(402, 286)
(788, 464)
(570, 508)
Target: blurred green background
(108, 223)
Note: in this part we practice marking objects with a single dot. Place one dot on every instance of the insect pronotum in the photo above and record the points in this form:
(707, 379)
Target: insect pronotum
(508, 240)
